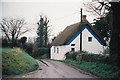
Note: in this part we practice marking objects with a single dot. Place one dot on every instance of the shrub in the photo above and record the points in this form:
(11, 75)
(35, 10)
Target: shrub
(91, 57)
(5, 43)
(41, 52)
(71, 55)
(29, 48)
(106, 51)
(85, 56)
(22, 42)
(79, 57)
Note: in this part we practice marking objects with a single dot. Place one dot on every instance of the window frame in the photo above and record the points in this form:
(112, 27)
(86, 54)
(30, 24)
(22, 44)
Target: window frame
(72, 44)
(57, 50)
(73, 49)
(89, 39)
(54, 49)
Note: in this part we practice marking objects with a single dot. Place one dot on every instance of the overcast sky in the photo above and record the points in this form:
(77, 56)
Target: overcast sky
(60, 13)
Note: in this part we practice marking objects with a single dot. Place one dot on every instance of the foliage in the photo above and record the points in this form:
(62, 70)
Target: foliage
(42, 32)
(41, 42)
(5, 42)
(0, 63)
(106, 51)
(18, 43)
(97, 68)
(12, 29)
(91, 57)
(85, 56)
(16, 61)
(29, 48)
(21, 42)
(42, 52)
(104, 26)
(71, 55)
(114, 57)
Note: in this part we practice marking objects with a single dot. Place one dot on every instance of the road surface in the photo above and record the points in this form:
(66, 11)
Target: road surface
(55, 69)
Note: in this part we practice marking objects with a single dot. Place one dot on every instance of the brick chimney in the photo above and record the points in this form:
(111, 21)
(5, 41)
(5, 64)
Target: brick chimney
(84, 18)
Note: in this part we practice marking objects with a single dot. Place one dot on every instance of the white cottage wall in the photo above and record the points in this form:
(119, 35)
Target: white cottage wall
(76, 41)
(93, 46)
(58, 52)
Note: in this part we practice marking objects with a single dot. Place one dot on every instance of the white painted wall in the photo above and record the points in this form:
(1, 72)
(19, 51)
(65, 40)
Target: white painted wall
(92, 47)
(76, 41)
(58, 52)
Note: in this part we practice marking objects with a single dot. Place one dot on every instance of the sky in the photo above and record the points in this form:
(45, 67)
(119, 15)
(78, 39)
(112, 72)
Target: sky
(60, 13)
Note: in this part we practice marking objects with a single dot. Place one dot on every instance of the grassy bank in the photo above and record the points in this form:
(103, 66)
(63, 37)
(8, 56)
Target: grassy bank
(0, 63)
(100, 69)
(16, 61)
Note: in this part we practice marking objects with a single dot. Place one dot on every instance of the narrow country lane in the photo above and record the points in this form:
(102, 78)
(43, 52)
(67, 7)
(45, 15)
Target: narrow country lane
(55, 69)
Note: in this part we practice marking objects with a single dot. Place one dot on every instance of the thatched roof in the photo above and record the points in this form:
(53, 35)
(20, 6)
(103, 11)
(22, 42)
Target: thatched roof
(70, 31)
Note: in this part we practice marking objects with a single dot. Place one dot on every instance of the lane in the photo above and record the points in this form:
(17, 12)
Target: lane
(55, 69)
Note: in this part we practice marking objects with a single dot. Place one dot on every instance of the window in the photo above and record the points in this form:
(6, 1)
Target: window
(54, 49)
(72, 44)
(89, 39)
(57, 50)
(72, 49)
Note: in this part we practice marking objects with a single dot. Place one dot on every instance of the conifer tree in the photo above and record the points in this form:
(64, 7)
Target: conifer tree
(42, 32)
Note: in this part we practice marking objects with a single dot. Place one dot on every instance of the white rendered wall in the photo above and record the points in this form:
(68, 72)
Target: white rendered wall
(92, 47)
(60, 54)
(76, 41)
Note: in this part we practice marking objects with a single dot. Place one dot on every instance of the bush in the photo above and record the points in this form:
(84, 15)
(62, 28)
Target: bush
(40, 52)
(79, 56)
(29, 48)
(71, 55)
(106, 51)
(5, 43)
(91, 57)
(85, 56)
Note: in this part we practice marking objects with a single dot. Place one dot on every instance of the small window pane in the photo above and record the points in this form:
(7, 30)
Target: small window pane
(72, 49)
(89, 39)
(54, 49)
(72, 44)
(57, 50)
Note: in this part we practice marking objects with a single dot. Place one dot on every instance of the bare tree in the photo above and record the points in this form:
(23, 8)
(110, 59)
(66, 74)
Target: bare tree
(98, 7)
(12, 28)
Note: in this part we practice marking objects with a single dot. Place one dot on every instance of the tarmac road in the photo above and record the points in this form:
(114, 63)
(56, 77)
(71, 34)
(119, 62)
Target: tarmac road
(55, 69)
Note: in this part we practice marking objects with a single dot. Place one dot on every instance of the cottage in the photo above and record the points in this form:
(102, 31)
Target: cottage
(72, 37)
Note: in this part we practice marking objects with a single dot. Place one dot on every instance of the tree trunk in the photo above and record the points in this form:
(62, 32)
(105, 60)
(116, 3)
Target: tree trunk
(12, 43)
(115, 38)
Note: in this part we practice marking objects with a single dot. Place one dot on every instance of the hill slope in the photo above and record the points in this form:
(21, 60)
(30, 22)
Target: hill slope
(15, 61)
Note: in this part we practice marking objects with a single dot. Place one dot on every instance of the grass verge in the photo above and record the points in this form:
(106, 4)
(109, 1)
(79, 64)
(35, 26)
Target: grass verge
(16, 61)
(97, 68)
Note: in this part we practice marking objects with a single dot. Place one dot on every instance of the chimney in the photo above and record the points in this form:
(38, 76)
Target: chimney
(84, 18)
